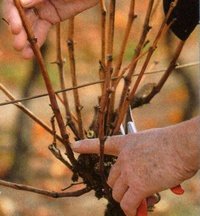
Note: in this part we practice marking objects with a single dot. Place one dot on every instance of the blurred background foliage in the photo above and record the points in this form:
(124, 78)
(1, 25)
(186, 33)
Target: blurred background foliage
(24, 145)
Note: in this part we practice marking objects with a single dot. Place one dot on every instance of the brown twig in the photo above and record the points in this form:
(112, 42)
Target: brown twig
(165, 76)
(151, 50)
(52, 97)
(28, 112)
(72, 114)
(60, 64)
(57, 153)
(124, 106)
(53, 129)
(70, 43)
(131, 17)
(71, 185)
(44, 192)
(103, 41)
(109, 66)
(110, 36)
(154, 89)
(125, 69)
(104, 101)
(163, 29)
(146, 27)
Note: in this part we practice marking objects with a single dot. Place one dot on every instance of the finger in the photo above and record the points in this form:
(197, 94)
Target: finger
(115, 173)
(130, 202)
(30, 3)
(41, 29)
(113, 145)
(119, 189)
(12, 16)
(27, 52)
(76, 7)
(20, 40)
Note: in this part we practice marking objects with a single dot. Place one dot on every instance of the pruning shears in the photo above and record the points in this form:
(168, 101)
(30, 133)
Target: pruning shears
(131, 128)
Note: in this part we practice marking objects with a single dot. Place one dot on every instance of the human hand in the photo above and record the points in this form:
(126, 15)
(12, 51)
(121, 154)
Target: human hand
(42, 14)
(148, 162)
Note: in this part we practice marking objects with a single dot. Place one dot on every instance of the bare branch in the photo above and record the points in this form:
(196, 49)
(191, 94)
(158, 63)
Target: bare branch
(71, 185)
(109, 63)
(104, 102)
(154, 89)
(56, 152)
(44, 192)
(52, 97)
(70, 43)
(60, 64)
(146, 27)
(28, 112)
(125, 103)
(131, 17)
(110, 36)
(72, 114)
(140, 45)
(103, 40)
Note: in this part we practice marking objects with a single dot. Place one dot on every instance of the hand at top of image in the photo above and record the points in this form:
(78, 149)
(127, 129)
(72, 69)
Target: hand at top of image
(42, 14)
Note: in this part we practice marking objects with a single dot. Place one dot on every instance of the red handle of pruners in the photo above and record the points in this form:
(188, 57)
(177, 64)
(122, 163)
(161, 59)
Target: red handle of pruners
(142, 209)
(178, 190)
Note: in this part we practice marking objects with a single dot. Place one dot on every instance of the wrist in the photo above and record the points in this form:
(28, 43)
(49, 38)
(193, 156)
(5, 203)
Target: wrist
(186, 136)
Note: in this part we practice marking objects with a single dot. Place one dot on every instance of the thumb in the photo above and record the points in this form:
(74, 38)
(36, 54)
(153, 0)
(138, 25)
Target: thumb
(30, 3)
(113, 145)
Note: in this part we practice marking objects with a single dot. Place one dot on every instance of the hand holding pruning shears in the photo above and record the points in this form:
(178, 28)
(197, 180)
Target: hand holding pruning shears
(143, 208)
(148, 162)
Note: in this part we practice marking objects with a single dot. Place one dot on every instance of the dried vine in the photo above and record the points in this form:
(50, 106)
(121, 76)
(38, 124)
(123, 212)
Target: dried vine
(60, 63)
(52, 97)
(70, 43)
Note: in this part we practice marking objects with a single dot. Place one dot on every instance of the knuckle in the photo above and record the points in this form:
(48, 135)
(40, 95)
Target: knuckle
(114, 174)
(125, 207)
(18, 46)
(109, 181)
(15, 28)
(115, 196)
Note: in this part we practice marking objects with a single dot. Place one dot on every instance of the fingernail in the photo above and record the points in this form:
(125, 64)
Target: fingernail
(26, 2)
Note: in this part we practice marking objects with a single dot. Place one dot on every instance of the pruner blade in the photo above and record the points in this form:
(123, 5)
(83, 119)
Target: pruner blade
(131, 128)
